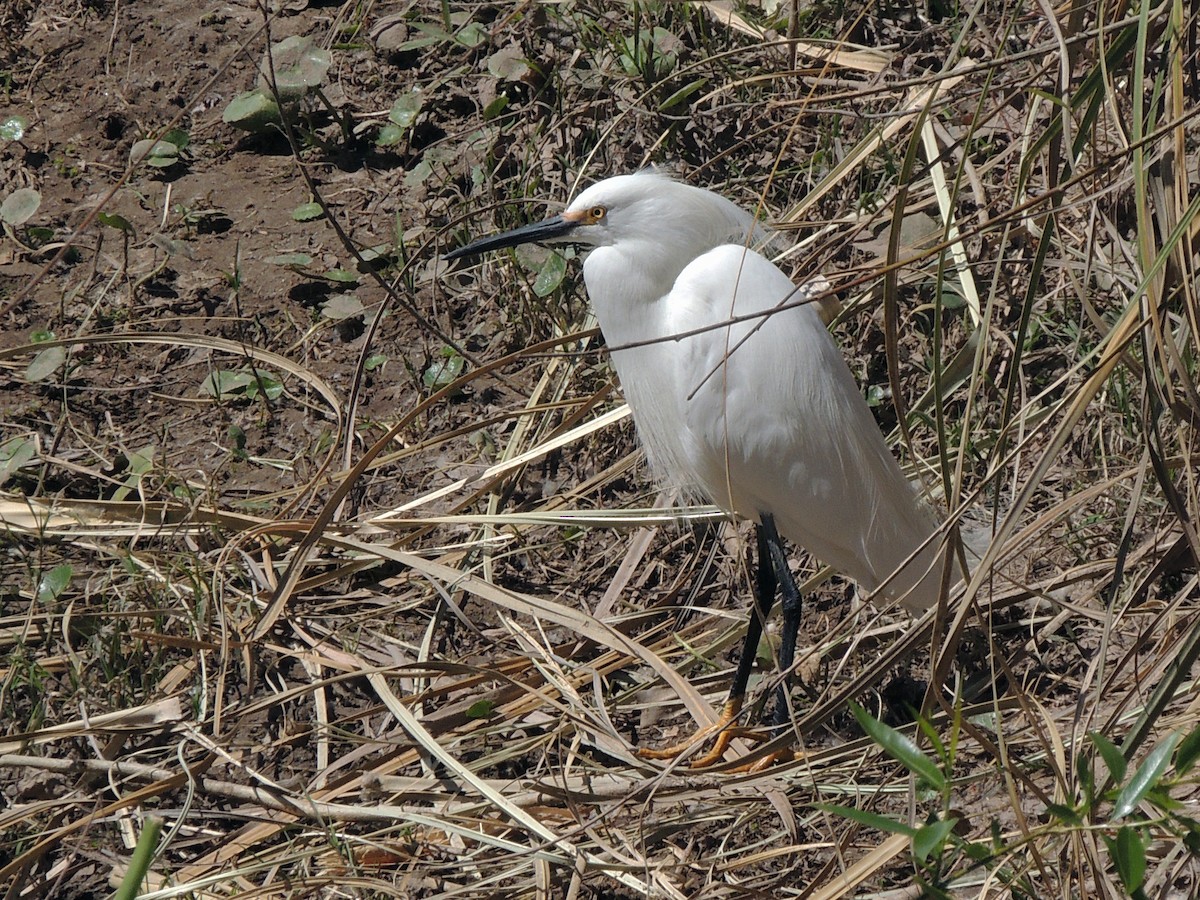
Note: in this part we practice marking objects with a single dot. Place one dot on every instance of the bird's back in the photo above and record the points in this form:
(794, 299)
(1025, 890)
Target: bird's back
(773, 422)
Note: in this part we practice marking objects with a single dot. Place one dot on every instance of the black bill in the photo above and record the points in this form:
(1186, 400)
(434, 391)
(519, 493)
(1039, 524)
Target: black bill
(547, 230)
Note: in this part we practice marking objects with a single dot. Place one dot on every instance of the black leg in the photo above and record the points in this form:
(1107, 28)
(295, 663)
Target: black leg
(764, 599)
(791, 614)
(772, 572)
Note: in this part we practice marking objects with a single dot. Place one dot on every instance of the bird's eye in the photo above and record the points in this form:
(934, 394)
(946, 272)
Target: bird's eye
(597, 213)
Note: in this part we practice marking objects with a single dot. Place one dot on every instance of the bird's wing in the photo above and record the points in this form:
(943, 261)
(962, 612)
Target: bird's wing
(775, 423)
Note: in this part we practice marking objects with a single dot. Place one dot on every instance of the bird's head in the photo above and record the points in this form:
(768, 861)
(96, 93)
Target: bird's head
(661, 220)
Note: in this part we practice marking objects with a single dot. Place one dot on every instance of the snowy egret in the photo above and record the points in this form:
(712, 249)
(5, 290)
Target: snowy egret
(741, 396)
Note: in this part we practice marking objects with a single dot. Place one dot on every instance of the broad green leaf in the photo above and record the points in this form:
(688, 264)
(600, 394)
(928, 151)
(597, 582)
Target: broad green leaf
(53, 583)
(224, 383)
(178, 137)
(376, 253)
(551, 274)
(20, 206)
(45, 364)
(1145, 778)
(307, 212)
(1114, 759)
(1189, 752)
(252, 111)
(481, 709)
(930, 839)
(443, 370)
(901, 748)
(496, 107)
(406, 109)
(1128, 852)
(264, 381)
(15, 453)
(159, 154)
(375, 361)
(112, 220)
(342, 276)
(472, 35)
(299, 67)
(390, 135)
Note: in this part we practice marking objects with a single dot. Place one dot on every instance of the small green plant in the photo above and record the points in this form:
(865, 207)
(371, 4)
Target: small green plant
(401, 118)
(443, 369)
(1131, 811)
(47, 361)
(242, 384)
(162, 153)
(291, 73)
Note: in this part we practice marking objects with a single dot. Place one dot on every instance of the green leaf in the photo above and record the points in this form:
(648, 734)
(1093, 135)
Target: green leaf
(342, 276)
(1128, 852)
(496, 107)
(375, 361)
(870, 819)
(252, 111)
(930, 839)
(406, 109)
(307, 212)
(901, 748)
(390, 135)
(19, 206)
(379, 252)
(299, 67)
(444, 370)
(14, 454)
(472, 35)
(1145, 778)
(481, 709)
(551, 274)
(178, 137)
(1189, 752)
(159, 154)
(225, 384)
(1114, 759)
(45, 364)
(140, 861)
(13, 128)
(53, 583)
(268, 384)
(112, 220)
(682, 94)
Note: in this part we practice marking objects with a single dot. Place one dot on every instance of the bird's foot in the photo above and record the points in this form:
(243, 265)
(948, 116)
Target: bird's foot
(722, 732)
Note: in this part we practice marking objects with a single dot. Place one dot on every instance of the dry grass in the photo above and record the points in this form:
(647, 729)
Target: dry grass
(362, 636)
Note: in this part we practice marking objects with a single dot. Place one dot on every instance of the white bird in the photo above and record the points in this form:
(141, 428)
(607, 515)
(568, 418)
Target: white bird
(741, 396)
